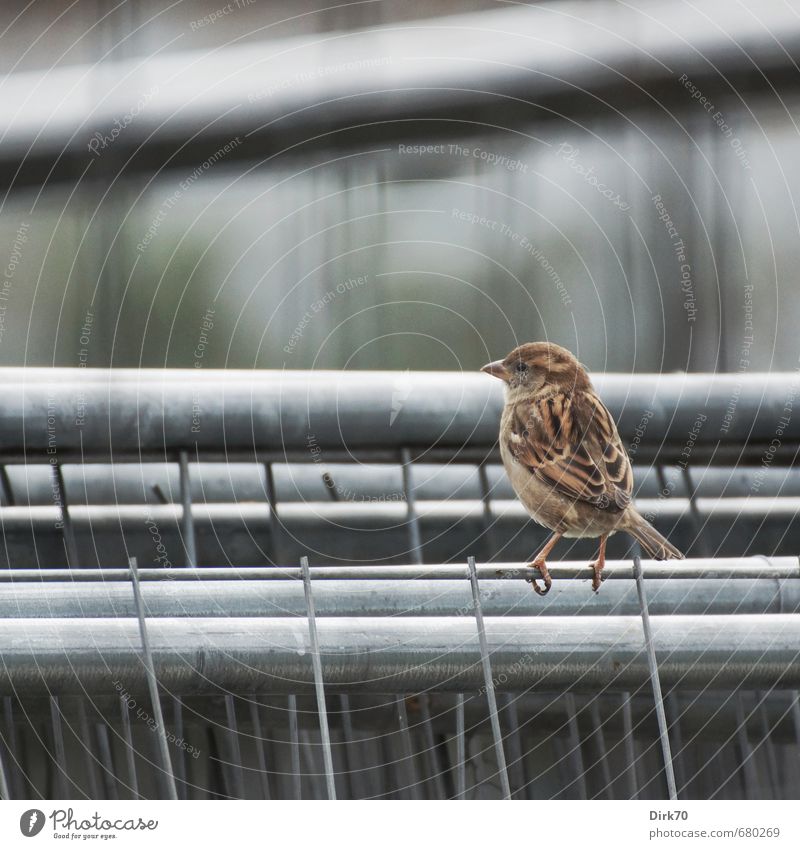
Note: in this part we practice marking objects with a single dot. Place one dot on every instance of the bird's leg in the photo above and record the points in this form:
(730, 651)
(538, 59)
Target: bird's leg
(538, 563)
(599, 563)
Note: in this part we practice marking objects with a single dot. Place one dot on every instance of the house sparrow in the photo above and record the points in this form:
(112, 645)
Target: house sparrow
(564, 457)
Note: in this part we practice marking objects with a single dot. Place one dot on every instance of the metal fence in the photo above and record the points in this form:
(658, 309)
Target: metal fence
(164, 633)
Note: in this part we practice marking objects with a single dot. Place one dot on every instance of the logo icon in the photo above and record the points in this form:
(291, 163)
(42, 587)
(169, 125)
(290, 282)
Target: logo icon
(31, 822)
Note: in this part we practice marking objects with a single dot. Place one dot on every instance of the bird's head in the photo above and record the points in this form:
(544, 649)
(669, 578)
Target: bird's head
(539, 365)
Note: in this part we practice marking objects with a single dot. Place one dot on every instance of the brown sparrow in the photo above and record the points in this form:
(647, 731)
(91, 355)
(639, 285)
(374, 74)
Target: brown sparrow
(564, 457)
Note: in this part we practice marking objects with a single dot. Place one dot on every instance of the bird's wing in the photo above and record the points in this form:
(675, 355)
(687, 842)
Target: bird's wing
(571, 443)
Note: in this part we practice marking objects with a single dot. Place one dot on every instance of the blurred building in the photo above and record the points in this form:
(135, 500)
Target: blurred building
(400, 185)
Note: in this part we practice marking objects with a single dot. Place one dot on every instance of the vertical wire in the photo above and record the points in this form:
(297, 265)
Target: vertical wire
(294, 742)
(487, 677)
(66, 519)
(187, 520)
(654, 679)
(152, 684)
(319, 685)
(461, 749)
(574, 738)
(255, 720)
(630, 746)
(133, 780)
(414, 534)
(58, 745)
(411, 780)
(235, 765)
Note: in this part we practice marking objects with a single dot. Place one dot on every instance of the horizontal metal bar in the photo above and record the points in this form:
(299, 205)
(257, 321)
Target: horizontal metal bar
(141, 414)
(232, 482)
(69, 656)
(693, 569)
(414, 597)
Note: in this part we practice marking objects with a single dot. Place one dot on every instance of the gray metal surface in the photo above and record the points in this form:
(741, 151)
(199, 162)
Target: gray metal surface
(247, 415)
(194, 655)
(419, 597)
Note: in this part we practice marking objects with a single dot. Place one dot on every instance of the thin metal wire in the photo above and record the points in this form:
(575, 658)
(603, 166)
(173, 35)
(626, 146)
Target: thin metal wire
(699, 539)
(431, 749)
(517, 765)
(488, 523)
(630, 746)
(747, 770)
(674, 716)
(461, 749)
(234, 765)
(487, 676)
(600, 742)
(152, 685)
(261, 757)
(58, 746)
(275, 528)
(768, 747)
(66, 519)
(414, 533)
(574, 742)
(409, 766)
(294, 744)
(15, 774)
(319, 684)
(352, 772)
(187, 519)
(133, 780)
(91, 763)
(180, 762)
(106, 759)
(5, 486)
(655, 681)
(5, 793)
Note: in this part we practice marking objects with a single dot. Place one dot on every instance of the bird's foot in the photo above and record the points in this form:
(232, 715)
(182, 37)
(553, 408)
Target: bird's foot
(597, 578)
(548, 581)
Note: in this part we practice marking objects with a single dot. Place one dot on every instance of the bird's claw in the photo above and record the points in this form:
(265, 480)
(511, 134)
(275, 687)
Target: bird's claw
(548, 581)
(597, 578)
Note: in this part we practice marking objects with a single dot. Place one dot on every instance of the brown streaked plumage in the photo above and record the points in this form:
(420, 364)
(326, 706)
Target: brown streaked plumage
(564, 457)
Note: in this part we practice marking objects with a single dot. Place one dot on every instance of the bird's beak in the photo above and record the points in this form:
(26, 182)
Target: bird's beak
(496, 369)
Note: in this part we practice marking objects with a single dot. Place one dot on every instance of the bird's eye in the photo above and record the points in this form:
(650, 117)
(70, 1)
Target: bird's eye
(521, 367)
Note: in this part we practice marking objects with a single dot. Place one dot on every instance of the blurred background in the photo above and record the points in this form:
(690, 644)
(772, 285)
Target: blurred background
(399, 185)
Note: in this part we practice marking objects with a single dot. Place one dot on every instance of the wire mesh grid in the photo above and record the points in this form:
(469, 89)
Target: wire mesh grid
(396, 679)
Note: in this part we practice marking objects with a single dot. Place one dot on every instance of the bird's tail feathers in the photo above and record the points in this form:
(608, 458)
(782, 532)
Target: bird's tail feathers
(655, 546)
